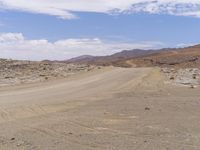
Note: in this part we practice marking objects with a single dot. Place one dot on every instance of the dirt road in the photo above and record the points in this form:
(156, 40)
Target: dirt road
(107, 109)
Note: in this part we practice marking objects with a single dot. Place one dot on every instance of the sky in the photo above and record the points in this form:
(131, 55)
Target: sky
(62, 29)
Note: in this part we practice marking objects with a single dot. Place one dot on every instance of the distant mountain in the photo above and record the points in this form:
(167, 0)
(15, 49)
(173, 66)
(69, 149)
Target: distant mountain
(132, 53)
(181, 57)
(176, 57)
(80, 58)
(108, 60)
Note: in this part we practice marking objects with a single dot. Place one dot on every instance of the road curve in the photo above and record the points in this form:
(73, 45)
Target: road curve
(107, 109)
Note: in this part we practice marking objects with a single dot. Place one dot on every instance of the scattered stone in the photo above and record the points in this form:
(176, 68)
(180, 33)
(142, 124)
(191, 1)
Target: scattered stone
(185, 76)
(147, 108)
(14, 72)
(42, 75)
(12, 139)
(192, 87)
(20, 143)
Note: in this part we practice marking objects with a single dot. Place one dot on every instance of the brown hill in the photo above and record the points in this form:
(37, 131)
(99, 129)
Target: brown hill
(177, 57)
(112, 59)
(184, 58)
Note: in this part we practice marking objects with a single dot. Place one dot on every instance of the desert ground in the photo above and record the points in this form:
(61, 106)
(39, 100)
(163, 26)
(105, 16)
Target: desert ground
(104, 109)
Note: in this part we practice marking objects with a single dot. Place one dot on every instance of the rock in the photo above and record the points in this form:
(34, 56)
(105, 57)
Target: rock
(192, 86)
(194, 76)
(20, 143)
(147, 108)
(42, 75)
(8, 77)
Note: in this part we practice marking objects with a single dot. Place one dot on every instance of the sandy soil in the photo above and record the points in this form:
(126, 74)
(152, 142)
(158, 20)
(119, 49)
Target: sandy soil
(106, 109)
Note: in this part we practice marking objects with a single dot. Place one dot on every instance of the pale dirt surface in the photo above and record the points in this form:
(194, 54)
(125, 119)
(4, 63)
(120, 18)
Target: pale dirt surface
(106, 109)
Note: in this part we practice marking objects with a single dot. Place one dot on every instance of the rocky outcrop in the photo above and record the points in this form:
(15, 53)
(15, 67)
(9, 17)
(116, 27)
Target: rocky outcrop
(187, 77)
(17, 72)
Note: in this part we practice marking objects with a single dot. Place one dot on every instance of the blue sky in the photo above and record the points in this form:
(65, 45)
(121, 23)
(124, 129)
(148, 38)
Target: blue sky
(40, 34)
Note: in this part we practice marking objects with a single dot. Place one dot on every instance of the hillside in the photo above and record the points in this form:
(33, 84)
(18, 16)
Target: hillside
(177, 57)
(188, 57)
(109, 60)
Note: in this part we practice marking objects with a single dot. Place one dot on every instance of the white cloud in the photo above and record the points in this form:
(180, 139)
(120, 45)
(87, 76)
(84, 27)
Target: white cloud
(10, 37)
(182, 45)
(172, 7)
(16, 46)
(65, 8)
